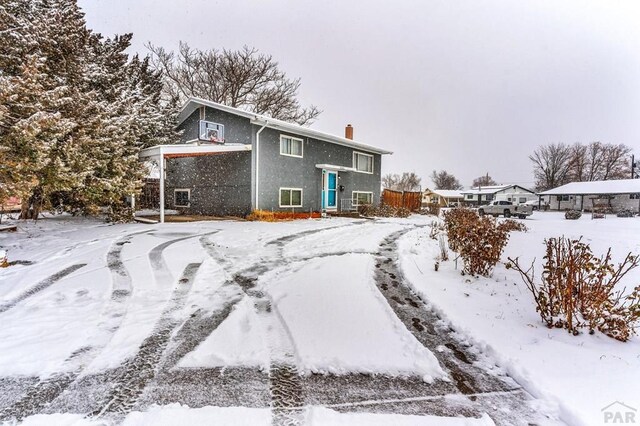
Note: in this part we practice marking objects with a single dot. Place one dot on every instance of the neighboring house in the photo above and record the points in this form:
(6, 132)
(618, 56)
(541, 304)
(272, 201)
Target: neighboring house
(230, 162)
(485, 194)
(621, 194)
(442, 197)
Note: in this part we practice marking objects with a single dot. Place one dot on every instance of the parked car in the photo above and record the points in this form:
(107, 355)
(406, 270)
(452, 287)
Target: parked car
(535, 204)
(506, 208)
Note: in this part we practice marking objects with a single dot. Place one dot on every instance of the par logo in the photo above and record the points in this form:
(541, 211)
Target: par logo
(619, 413)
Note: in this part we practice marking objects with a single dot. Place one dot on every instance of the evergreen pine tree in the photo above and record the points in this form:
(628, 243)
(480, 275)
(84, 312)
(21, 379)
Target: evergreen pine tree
(74, 111)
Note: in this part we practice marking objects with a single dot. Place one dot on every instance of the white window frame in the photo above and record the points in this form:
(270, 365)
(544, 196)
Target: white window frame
(203, 126)
(290, 197)
(354, 199)
(175, 201)
(355, 163)
(292, 139)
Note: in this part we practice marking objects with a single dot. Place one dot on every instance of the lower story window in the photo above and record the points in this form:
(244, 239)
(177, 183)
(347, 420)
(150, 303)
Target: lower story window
(182, 197)
(361, 198)
(290, 197)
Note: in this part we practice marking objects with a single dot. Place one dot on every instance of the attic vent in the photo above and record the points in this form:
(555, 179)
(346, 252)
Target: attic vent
(211, 132)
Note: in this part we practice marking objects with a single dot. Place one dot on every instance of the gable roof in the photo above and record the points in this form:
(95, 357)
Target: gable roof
(622, 186)
(261, 120)
(492, 189)
(446, 193)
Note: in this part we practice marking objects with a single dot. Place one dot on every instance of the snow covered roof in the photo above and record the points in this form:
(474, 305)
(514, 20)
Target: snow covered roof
(489, 189)
(447, 193)
(492, 189)
(622, 186)
(190, 149)
(334, 167)
(193, 103)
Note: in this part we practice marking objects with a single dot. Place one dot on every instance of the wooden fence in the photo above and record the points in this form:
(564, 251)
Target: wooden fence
(406, 199)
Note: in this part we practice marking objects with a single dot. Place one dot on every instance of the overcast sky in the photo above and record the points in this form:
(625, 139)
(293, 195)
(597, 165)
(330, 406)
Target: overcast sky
(467, 86)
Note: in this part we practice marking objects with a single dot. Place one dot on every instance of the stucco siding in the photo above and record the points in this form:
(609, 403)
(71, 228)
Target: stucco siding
(219, 184)
(236, 129)
(280, 171)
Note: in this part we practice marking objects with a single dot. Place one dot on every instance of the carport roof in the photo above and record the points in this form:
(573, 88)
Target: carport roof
(622, 186)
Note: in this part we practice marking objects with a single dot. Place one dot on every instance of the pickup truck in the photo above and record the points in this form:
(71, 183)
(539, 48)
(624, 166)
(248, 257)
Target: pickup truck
(506, 208)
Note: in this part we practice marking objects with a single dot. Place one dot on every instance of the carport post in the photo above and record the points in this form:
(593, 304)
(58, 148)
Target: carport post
(161, 186)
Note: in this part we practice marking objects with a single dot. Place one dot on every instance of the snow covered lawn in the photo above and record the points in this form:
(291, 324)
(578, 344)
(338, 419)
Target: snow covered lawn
(211, 321)
(583, 374)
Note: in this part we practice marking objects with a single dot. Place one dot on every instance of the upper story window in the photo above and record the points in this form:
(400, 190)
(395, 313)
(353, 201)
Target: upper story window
(363, 162)
(634, 196)
(290, 146)
(211, 132)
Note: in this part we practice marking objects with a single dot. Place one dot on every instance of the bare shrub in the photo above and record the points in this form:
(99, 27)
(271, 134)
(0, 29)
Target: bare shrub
(511, 225)
(456, 221)
(626, 213)
(432, 209)
(262, 216)
(572, 214)
(384, 210)
(444, 251)
(577, 290)
(478, 240)
(434, 232)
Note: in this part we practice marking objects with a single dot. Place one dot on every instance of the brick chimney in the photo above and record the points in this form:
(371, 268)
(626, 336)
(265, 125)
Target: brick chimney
(348, 132)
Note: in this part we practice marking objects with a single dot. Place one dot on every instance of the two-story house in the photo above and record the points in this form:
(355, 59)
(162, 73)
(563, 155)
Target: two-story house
(230, 162)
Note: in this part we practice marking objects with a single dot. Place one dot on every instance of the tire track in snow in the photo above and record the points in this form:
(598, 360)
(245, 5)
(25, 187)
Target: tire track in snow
(142, 368)
(122, 288)
(285, 384)
(47, 390)
(42, 285)
(494, 393)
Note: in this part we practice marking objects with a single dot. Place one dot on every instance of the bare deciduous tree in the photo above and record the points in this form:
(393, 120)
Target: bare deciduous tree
(485, 180)
(444, 180)
(551, 165)
(242, 78)
(557, 164)
(409, 181)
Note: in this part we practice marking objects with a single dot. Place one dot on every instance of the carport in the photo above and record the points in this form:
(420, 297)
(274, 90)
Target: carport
(160, 153)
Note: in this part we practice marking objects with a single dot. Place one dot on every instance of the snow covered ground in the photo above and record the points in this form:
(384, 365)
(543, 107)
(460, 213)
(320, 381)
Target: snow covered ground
(583, 374)
(310, 321)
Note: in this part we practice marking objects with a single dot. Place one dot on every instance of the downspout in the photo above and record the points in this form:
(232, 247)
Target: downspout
(258, 163)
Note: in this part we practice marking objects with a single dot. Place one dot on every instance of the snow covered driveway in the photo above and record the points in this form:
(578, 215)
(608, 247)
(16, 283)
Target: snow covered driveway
(305, 322)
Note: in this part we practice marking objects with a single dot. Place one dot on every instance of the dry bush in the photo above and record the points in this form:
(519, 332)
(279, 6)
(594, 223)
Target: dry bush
(432, 209)
(267, 216)
(436, 228)
(456, 221)
(478, 240)
(572, 214)
(511, 225)
(578, 290)
(626, 213)
(444, 251)
(262, 216)
(383, 211)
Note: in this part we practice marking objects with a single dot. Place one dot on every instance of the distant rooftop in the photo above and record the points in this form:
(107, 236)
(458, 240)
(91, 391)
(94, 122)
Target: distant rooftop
(622, 186)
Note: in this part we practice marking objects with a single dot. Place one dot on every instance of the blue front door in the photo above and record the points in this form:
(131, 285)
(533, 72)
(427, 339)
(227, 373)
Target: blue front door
(329, 191)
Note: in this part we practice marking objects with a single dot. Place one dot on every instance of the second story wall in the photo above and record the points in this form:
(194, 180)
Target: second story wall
(236, 129)
(280, 171)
